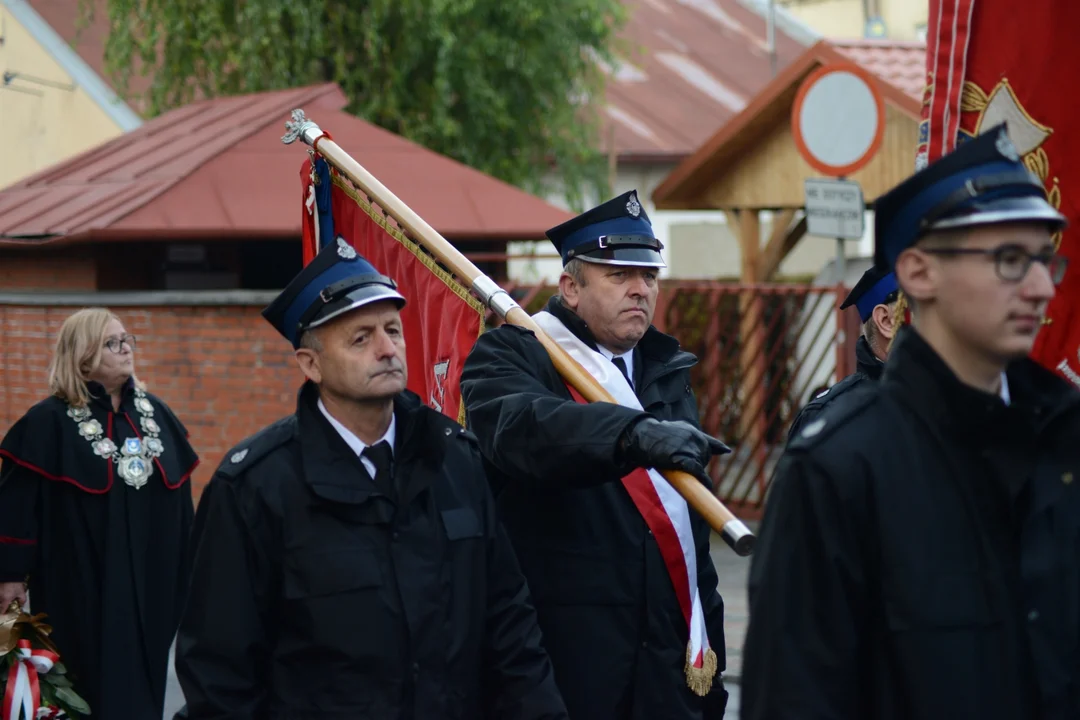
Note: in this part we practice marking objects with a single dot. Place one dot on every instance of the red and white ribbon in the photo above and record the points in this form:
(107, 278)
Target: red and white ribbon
(22, 694)
(665, 511)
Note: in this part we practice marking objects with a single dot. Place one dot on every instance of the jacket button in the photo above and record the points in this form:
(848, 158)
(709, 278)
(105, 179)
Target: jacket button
(395, 535)
(1033, 616)
(415, 669)
(645, 644)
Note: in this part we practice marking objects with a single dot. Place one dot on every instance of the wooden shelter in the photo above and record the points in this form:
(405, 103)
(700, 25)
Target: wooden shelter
(751, 165)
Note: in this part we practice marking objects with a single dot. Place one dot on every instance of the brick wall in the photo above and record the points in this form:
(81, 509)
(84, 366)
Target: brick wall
(36, 270)
(221, 368)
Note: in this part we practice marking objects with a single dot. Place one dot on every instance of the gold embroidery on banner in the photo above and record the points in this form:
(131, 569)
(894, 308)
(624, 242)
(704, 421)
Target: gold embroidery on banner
(928, 89)
(1027, 133)
(972, 98)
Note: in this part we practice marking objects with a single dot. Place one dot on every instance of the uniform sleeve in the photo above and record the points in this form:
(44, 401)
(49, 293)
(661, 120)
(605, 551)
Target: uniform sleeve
(520, 675)
(19, 490)
(222, 647)
(808, 601)
(527, 431)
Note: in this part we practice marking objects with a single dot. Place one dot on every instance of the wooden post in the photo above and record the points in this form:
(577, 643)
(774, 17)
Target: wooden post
(751, 339)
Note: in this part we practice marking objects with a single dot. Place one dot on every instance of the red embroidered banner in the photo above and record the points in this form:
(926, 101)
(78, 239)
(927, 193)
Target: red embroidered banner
(989, 61)
(441, 318)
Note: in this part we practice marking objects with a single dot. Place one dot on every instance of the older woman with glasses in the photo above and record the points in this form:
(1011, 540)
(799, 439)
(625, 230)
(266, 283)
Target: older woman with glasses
(95, 511)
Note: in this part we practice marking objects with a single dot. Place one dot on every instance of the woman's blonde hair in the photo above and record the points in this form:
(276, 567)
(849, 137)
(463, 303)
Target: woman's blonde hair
(78, 354)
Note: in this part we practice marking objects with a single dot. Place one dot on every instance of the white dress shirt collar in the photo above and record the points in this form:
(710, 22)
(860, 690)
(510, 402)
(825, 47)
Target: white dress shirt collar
(356, 444)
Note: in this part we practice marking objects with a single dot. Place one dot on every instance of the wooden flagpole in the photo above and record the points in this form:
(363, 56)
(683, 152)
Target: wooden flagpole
(733, 530)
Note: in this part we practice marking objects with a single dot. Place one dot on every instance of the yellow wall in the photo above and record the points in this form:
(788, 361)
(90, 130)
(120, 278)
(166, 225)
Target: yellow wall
(846, 19)
(51, 125)
(902, 17)
(831, 18)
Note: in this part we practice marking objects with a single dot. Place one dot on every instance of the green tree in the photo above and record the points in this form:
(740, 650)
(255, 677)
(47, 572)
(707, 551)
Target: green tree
(501, 85)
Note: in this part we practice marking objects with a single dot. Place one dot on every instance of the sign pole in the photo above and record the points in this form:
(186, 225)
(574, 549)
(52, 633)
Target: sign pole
(841, 254)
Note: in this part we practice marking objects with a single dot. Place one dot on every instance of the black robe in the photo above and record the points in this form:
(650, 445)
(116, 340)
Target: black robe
(106, 562)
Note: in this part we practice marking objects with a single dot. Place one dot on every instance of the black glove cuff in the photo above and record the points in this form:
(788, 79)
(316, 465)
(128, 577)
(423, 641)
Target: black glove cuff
(624, 459)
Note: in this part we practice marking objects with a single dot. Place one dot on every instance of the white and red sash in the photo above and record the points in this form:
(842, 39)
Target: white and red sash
(663, 508)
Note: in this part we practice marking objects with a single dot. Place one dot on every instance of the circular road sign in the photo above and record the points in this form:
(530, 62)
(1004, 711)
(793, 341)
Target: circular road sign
(838, 119)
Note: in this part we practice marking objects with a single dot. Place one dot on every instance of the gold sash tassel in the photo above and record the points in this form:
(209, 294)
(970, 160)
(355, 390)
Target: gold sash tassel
(700, 679)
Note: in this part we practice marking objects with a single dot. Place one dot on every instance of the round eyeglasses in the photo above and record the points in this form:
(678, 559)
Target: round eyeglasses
(1012, 262)
(113, 344)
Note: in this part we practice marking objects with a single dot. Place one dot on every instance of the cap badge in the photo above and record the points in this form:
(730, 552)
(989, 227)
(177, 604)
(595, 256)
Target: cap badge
(345, 250)
(633, 206)
(1005, 147)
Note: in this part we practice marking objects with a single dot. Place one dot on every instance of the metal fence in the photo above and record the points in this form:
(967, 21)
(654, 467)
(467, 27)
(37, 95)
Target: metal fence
(762, 352)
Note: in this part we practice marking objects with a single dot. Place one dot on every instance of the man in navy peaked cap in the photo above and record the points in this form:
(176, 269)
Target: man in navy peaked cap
(348, 559)
(607, 593)
(918, 557)
(874, 296)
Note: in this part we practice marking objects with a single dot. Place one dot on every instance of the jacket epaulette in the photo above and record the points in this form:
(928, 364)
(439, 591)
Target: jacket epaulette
(252, 449)
(829, 394)
(833, 417)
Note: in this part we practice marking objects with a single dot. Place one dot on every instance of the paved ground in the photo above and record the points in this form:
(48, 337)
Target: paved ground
(732, 572)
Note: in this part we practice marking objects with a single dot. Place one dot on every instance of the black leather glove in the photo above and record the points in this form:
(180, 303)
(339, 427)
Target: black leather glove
(669, 445)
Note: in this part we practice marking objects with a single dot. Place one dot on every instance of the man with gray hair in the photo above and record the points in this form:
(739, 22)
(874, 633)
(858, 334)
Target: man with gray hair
(874, 296)
(619, 566)
(349, 563)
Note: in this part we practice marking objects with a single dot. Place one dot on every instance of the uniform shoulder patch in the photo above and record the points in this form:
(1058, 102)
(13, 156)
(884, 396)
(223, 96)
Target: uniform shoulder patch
(830, 394)
(832, 417)
(249, 451)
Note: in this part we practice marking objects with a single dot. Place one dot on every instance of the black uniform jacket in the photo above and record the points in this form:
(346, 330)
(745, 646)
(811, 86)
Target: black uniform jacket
(868, 369)
(920, 554)
(606, 604)
(315, 596)
(107, 562)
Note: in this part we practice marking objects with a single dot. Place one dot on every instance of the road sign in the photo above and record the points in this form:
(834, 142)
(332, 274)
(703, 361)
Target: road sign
(838, 119)
(834, 208)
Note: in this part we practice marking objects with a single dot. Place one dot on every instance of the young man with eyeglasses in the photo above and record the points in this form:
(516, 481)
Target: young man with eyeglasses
(920, 551)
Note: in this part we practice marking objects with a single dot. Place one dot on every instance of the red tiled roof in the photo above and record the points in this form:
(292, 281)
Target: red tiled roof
(218, 168)
(901, 64)
(695, 65)
(689, 66)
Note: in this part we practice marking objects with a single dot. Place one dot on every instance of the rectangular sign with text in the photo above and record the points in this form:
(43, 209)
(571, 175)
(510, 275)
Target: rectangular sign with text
(834, 208)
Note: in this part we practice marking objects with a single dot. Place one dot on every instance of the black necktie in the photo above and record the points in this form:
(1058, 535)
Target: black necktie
(621, 364)
(382, 457)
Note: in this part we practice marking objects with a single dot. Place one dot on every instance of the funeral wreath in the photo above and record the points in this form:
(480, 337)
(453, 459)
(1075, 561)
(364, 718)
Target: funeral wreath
(34, 682)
